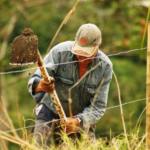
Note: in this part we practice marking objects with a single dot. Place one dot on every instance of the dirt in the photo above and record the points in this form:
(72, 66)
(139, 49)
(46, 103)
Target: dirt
(24, 48)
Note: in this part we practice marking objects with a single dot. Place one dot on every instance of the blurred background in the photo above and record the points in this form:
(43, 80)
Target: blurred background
(124, 28)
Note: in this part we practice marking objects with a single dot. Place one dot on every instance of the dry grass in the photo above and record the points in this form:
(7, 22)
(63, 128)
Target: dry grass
(25, 142)
(121, 142)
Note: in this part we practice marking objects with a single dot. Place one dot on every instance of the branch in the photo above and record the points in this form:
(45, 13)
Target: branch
(64, 22)
(9, 30)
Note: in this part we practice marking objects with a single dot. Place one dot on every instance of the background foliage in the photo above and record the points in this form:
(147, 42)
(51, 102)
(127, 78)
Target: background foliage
(123, 24)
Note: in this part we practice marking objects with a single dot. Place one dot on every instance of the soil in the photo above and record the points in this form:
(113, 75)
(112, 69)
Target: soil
(24, 48)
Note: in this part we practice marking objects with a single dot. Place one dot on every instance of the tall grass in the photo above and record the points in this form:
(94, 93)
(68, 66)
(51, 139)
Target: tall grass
(26, 141)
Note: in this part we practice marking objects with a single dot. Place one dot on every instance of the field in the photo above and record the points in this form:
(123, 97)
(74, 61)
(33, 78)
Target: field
(124, 40)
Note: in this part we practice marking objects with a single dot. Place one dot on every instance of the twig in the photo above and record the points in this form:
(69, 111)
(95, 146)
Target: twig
(8, 118)
(4, 122)
(94, 99)
(141, 115)
(141, 141)
(95, 96)
(23, 11)
(3, 144)
(18, 113)
(10, 28)
(69, 90)
(64, 22)
(121, 110)
(17, 141)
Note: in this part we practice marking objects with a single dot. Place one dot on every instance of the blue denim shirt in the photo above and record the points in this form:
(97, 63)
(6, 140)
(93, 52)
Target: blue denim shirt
(89, 97)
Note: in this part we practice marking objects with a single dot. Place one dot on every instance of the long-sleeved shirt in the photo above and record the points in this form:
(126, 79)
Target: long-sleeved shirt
(89, 97)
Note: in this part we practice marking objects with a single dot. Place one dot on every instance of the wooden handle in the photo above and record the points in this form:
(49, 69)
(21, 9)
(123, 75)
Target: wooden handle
(42, 68)
(54, 96)
(58, 107)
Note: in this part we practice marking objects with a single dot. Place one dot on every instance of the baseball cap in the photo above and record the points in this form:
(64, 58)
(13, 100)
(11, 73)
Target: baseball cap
(88, 38)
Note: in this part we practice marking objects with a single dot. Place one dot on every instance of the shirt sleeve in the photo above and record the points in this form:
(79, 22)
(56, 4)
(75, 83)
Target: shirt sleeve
(49, 61)
(97, 107)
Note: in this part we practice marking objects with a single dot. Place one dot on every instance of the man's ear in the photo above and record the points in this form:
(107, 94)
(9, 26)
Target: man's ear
(100, 44)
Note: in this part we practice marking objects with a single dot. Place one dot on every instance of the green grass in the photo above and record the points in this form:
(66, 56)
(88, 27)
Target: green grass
(25, 140)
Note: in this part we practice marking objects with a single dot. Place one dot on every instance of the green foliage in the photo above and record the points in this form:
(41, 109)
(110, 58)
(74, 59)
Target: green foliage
(131, 77)
(122, 23)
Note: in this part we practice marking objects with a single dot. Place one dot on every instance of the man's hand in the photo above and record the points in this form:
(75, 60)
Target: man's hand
(45, 86)
(72, 125)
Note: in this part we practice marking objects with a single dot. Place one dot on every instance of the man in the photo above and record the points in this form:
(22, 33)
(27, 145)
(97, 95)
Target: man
(67, 63)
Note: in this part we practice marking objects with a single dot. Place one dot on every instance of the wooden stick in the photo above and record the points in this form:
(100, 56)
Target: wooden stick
(54, 96)
(148, 92)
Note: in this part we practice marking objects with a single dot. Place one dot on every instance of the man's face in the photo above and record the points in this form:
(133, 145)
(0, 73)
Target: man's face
(87, 58)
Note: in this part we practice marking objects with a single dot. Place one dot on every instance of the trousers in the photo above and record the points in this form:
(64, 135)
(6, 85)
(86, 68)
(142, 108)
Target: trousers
(47, 130)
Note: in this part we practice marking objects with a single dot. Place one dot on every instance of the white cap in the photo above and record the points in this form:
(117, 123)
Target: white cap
(88, 38)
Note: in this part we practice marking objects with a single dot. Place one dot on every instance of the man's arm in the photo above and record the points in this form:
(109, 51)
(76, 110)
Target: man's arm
(35, 82)
(96, 109)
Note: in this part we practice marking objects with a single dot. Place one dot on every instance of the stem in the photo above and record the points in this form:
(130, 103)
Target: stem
(121, 110)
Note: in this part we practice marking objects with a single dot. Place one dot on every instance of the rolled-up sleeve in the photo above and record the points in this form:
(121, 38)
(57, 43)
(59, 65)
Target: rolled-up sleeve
(32, 83)
(49, 61)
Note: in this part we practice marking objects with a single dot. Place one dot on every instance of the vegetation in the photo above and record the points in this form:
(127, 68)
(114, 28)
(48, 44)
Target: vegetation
(123, 24)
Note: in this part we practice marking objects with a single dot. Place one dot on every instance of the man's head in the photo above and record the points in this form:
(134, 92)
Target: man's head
(88, 40)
